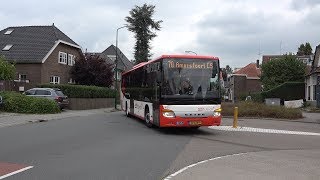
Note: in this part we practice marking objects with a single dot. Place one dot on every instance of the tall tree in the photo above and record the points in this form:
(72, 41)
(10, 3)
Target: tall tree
(225, 72)
(92, 70)
(229, 70)
(280, 70)
(308, 49)
(141, 23)
(7, 70)
(304, 49)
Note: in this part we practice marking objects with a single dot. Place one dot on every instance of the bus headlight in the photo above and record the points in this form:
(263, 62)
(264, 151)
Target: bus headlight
(217, 112)
(168, 113)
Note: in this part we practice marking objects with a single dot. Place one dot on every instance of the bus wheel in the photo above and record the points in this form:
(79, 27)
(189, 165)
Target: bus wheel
(127, 110)
(147, 119)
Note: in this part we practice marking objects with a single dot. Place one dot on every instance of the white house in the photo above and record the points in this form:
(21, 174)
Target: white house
(313, 80)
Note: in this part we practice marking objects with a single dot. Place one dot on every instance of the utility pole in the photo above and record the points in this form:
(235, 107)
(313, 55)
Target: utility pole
(116, 69)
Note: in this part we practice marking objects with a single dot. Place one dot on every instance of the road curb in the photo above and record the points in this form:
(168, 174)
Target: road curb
(275, 119)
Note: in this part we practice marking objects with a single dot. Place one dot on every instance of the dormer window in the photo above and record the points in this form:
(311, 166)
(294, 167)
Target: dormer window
(9, 31)
(7, 47)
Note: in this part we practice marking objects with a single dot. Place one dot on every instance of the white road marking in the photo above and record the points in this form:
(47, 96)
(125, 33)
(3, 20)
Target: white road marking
(196, 164)
(260, 130)
(16, 172)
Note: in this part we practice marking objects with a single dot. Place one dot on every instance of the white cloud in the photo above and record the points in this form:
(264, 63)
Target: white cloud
(231, 30)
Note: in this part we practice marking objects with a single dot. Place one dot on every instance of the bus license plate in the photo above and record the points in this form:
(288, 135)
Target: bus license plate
(195, 123)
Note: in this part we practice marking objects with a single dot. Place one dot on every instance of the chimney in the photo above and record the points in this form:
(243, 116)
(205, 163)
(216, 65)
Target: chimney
(258, 66)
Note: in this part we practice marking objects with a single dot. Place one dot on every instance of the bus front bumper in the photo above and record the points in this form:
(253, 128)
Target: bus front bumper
(190, 122)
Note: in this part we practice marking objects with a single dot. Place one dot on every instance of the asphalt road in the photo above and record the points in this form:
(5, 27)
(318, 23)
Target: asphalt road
(112, 146)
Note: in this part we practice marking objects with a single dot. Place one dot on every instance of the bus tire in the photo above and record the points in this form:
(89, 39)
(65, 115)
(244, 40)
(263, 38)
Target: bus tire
(127, 110)
(147, 119)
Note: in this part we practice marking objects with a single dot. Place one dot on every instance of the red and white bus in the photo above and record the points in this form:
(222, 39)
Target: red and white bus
(174, 91)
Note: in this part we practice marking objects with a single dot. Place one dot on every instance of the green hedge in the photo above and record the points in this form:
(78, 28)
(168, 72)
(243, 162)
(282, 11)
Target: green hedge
(80, 91)
(287, 91)
(18, 103)
(252, 109)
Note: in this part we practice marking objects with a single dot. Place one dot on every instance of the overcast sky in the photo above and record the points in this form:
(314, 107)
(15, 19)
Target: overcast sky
(233, 30)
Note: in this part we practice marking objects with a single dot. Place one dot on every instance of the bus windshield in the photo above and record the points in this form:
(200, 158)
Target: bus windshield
(196, 79)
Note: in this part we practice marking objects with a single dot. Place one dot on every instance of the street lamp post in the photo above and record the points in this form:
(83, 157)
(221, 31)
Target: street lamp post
(190, 52)
(116, 68)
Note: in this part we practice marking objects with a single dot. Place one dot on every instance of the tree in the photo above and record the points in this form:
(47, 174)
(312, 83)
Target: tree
(226, 71)
(280, 70)
(308, 49)
(141, 23)
(304, 49)
(224, 74)
(7, 70)
(92, 70)
(229, 70)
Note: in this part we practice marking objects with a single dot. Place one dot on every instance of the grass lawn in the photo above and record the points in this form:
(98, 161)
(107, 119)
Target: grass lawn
(252, 109)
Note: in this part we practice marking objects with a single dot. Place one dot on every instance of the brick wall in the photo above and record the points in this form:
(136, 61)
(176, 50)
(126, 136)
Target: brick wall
(239, 86)
(33, 72)
(90, 103)
(253, 85)
(51, 67)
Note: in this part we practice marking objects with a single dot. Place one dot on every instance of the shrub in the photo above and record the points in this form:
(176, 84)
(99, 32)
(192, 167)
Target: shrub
(287, 91)
(18, 103)
(80, 91)
(252, 109)
(257, 97)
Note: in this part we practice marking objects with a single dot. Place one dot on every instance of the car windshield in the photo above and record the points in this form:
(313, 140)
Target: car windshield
(190, 78)
(30, 92)
(59, 93)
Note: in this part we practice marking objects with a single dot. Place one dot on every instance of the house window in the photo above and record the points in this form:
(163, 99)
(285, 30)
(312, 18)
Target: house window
(71, 60)
(71, 81)
(7, 47)
(22, 77)
(62, 58)
(112, 57)
(74, 60)
(314, 92)
(313, 80)
(9, 31)
(54, 80)
(309, 93)
(119, 75)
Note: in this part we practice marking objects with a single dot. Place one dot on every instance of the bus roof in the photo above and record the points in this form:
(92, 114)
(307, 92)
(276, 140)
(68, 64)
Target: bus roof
(171, 56)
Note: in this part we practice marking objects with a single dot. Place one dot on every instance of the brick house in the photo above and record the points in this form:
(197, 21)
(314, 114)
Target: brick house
(267, 58)
(313, 80)
(41, 54)
(109, 54)
(244, 81)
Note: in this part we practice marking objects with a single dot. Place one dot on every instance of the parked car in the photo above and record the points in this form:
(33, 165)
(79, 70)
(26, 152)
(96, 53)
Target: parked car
(50, 93)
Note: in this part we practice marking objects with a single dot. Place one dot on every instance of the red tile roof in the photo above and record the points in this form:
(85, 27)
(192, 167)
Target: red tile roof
(250, 70)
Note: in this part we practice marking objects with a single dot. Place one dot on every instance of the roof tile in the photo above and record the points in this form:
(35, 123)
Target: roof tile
(30, 43)
(250, 70)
